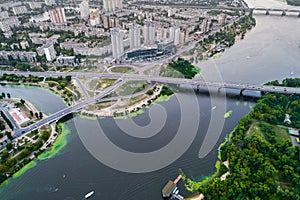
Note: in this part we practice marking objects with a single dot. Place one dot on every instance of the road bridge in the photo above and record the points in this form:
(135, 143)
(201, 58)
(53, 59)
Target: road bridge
(66, 111)
(282, 11)
(267, 11)
(153, 79)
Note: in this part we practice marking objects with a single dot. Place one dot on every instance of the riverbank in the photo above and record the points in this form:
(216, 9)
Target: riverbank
(255, 151)
(61, 86)
(58, 145)
(55, 146)
(19, 173)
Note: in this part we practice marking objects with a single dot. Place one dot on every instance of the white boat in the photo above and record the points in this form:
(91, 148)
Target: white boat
(88, 195)
(214, 107)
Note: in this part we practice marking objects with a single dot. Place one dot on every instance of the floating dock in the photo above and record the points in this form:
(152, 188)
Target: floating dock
(171, 189)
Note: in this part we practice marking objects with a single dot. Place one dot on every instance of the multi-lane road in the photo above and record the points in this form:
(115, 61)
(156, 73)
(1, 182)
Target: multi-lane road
(126, 77)
(68, 110)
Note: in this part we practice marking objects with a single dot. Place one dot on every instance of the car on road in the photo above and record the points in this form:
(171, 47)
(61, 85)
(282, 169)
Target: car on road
(298, 140)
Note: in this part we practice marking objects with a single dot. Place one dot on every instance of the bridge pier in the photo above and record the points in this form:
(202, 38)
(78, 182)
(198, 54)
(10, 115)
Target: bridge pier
(197, 89)
(299, 14)
(283, 13)
(241, 92)
(267, 12)
(219, 90)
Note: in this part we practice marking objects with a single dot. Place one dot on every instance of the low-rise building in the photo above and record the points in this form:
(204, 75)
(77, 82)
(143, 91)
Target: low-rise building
(95, 18)
(19, 116)
(66, 60)
(20, 10)
(23, 56)
(49, 51)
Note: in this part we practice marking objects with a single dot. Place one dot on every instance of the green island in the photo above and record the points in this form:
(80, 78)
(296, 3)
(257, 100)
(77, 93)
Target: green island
(259, 159)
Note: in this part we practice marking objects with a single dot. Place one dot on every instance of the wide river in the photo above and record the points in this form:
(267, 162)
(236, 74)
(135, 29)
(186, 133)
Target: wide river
(269, 51)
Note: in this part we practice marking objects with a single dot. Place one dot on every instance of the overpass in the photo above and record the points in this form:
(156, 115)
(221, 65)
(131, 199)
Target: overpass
(68, 110)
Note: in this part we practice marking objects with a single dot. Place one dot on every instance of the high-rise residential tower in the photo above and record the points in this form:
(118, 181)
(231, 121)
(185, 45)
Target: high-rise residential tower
(117, 42)
(109, 5)
(84, 8)
(149, 33)
(134, 36)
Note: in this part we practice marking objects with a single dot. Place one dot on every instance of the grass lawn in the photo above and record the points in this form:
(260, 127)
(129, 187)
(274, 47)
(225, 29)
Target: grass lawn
(122, 70)
(101, 84)
(279, 133)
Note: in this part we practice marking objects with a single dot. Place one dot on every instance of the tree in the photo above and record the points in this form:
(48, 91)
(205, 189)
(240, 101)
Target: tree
(9, 146)
(9, 136)
(40, 115)
(36, 115)
(2, 125)
(45, 135)
(22, 101)
(68, 78)
(8, 95)
(31, 113)
(3, 94)
(4, 155)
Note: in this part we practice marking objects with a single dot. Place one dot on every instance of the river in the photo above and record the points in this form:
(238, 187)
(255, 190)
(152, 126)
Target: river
(269, 51)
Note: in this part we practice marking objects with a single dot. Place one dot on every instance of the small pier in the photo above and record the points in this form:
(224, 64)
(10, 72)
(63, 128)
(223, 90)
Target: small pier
(170, 191)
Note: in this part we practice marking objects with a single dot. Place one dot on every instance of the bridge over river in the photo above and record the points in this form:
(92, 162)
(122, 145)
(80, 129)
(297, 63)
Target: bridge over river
(265, 10)
(122, 78)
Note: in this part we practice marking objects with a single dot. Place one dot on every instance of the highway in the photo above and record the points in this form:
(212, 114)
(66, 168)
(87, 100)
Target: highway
(68, 110)
(126, 77)
(154, 79)
(240, 86)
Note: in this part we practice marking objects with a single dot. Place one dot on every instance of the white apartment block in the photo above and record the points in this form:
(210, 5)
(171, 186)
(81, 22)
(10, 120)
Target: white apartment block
(134, 36)
(109, 5)
(19, 10)
(149, 33)
(117, 43)
(49, 2)
(84, 8)
(49, 51)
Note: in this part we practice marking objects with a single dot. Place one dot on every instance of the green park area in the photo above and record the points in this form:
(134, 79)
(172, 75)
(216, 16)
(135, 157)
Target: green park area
(101, 84)
(122, 70)
(58, 145)
(263, 163)
(180, 69)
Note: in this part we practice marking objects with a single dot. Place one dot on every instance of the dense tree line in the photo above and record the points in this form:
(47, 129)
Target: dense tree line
(184, 67)
(19, 78)
(262, 165)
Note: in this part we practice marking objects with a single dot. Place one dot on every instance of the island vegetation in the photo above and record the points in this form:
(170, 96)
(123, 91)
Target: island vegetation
(180, 68)
(259, 158)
